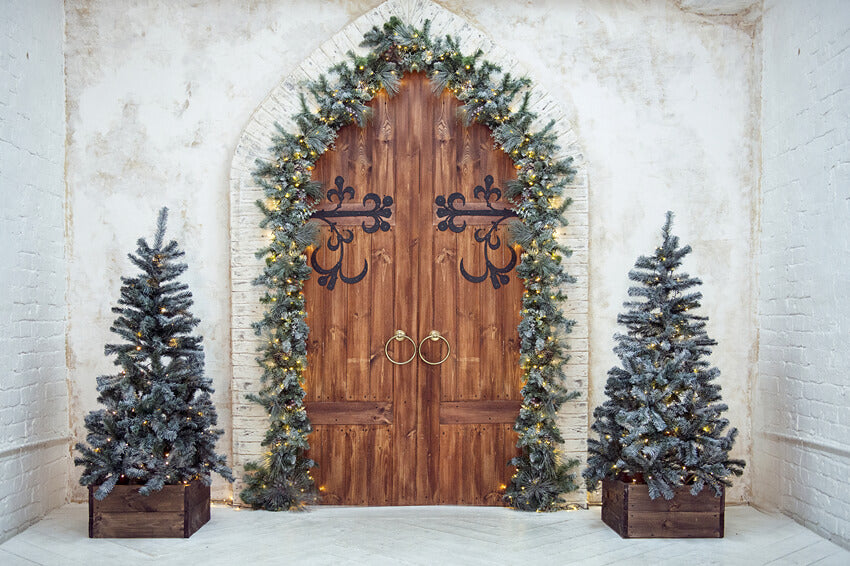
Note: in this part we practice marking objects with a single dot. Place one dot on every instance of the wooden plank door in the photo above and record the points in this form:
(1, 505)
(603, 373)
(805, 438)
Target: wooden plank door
(416, 433)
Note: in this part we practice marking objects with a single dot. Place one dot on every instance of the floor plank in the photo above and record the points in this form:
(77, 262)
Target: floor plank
(9, 559)
(418, 536)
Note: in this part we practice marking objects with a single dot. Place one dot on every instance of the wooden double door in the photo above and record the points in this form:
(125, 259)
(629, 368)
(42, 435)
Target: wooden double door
(401, 251)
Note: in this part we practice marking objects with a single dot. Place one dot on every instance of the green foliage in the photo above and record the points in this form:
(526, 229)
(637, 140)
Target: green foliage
(282, 481)
(662, 418)
(156, 428)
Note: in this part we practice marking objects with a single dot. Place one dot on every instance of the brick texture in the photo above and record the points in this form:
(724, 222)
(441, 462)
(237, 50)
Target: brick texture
(801, 418)
(246, 237)
(33, 391)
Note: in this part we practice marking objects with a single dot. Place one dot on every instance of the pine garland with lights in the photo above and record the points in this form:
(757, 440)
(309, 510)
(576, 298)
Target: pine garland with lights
(282, 480)
(661, 423)
(157, 427)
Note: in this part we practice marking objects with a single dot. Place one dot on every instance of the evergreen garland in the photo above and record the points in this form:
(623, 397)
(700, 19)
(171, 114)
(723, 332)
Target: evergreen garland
(156, 429)
(282, 480)
(661, 423)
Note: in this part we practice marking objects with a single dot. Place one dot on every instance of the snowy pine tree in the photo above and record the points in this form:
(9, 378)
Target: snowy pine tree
(157, 424)
(661, 423)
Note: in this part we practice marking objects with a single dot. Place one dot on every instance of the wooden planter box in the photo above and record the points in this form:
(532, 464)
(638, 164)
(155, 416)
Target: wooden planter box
(627, 508)
(176, 511)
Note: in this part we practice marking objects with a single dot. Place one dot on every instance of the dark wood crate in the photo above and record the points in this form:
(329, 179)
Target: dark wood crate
(627, 508)
(176, 511)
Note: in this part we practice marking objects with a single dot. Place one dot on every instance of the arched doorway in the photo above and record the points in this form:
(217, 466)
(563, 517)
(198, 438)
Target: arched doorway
(249, 420)
(420, 430)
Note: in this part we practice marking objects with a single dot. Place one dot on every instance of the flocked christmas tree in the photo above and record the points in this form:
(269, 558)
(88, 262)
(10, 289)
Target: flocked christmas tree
(661, 423)
(157, 427)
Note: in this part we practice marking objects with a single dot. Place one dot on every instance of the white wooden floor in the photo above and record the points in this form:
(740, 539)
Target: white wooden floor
(418, 535)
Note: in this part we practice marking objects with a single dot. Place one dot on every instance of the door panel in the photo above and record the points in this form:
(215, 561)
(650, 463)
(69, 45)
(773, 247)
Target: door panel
(390, 434)
(349, 386)
(478, 448)
(479, 391)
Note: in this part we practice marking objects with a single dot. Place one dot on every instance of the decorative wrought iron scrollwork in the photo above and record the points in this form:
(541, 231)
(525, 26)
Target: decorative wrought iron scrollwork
(376, 216)
(450, 211)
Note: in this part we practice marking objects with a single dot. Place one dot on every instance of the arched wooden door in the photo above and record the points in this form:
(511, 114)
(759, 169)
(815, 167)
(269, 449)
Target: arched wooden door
(411, 257)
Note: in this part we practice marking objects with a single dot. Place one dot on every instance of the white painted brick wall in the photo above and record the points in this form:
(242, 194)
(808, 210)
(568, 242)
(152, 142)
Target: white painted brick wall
(665, 103)
(34, 455)
(801, 402)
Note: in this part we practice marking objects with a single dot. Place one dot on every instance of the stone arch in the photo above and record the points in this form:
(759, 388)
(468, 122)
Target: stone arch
(249, 420)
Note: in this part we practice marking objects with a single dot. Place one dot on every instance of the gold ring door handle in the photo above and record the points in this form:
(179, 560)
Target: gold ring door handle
(399, 336)
(434, 336)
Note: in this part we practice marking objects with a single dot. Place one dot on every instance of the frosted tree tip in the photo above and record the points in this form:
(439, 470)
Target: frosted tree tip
(668, 223)
(160, 226)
